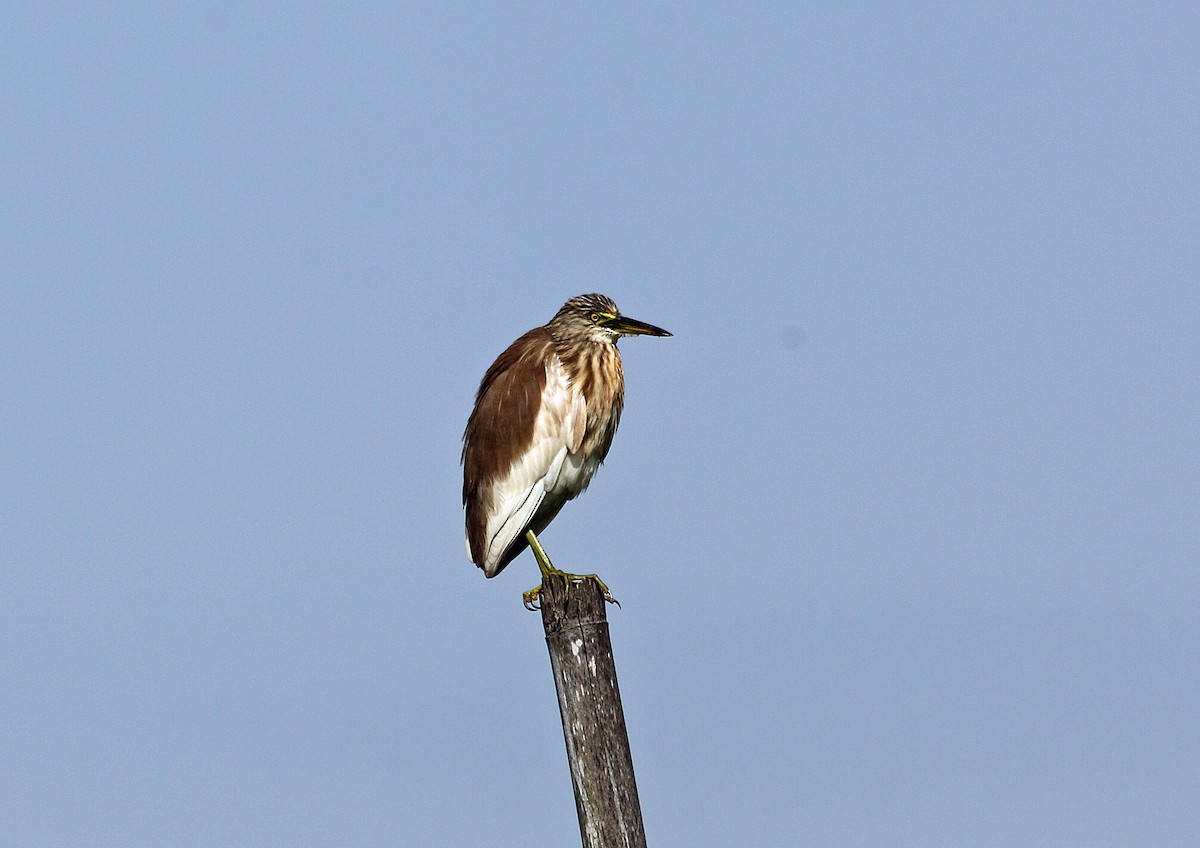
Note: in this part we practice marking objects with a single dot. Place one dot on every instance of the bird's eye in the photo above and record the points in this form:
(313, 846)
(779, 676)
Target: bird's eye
(595, 317)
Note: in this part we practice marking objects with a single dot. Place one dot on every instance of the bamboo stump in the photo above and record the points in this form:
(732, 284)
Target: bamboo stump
(576, 625)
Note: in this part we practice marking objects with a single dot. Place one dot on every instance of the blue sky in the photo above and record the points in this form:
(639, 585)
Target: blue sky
(905, 517)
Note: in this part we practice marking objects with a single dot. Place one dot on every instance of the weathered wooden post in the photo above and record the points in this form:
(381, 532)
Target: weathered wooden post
(585, 676)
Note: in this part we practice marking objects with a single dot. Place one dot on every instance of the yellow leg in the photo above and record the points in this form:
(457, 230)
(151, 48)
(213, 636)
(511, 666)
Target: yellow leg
(532, 598)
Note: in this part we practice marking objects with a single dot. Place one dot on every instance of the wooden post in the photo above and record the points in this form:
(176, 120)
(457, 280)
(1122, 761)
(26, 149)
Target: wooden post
(589, 701)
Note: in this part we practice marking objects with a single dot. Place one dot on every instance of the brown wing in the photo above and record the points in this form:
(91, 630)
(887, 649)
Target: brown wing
(500, 428)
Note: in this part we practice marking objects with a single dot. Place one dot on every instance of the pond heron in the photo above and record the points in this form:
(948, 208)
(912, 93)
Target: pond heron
(543, 421)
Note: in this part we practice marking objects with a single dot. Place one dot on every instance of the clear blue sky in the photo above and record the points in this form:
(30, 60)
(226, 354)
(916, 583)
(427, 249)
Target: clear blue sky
(905, 518)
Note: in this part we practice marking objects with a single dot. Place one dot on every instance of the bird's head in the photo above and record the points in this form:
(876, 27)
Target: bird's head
(595, 318)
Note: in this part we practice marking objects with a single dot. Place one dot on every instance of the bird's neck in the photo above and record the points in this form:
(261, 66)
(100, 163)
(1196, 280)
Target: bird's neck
(595, 369)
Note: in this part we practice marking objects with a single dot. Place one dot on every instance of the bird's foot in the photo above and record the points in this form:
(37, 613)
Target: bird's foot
(533, 598)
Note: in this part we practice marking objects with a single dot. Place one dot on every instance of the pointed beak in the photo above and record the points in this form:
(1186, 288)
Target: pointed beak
(632, 327)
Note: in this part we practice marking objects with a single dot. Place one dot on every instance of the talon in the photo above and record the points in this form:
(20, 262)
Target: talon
(608, 596)
(532, 599)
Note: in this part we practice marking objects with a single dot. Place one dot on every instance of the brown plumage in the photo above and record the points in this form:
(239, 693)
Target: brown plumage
(544, 419)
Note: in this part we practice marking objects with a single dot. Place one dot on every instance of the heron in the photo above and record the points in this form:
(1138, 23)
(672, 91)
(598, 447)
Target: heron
(544, 418)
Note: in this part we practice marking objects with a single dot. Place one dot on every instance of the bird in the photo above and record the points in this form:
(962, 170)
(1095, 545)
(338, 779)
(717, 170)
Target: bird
(544, 418)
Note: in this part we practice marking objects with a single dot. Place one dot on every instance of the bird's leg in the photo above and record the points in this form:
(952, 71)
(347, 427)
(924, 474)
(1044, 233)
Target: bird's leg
(539, 553)
(532, 598)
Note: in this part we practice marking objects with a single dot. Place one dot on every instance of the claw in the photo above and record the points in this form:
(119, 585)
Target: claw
(579, 578)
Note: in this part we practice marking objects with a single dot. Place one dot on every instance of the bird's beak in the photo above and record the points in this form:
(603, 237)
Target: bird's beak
(632, 327)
